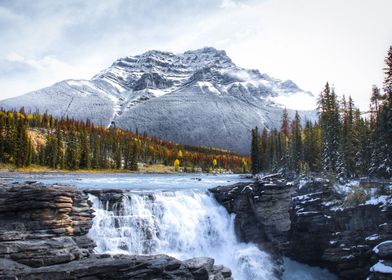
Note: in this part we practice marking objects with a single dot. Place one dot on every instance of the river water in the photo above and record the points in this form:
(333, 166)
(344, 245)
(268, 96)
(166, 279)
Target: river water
(174, 215)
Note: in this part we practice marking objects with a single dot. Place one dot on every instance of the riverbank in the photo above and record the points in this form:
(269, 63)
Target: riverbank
(153, 168)
(142, 169)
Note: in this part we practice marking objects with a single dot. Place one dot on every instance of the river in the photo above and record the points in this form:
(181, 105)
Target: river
(175, 215)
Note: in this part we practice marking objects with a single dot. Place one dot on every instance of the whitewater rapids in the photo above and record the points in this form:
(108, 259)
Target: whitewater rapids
(183, 224)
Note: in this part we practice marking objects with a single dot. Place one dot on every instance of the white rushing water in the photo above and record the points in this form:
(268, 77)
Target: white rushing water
(183, 224)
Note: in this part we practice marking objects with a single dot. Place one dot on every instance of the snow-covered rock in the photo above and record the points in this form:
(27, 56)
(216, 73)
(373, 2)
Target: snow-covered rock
(198, 97)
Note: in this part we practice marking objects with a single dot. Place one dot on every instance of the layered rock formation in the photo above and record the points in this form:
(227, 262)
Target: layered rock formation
(44, 225)
(43, 236)
(312, 223)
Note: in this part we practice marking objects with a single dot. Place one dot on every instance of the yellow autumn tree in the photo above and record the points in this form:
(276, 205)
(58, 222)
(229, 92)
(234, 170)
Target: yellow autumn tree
(176, 165)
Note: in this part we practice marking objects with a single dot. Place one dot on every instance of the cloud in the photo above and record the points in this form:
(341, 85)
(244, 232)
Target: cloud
(310, 42)
(229, 4)
(47, 62)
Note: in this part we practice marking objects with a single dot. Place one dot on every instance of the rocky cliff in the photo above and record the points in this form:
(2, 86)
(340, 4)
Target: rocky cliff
(43, 236)
(313, 222)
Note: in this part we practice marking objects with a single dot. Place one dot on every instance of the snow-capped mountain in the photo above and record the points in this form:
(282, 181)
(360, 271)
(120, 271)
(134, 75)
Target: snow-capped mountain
(199, 97)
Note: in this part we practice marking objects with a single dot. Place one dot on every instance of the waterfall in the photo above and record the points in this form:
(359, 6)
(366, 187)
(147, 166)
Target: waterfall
(183, 224)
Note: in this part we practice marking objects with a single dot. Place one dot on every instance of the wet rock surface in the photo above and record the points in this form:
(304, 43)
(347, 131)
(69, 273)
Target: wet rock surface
(43, 235)
(307, 221)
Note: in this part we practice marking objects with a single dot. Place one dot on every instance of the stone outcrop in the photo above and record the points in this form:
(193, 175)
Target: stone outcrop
(44, 225)
(262, 211)
(308, 221)
(118, 267)
(43, 235)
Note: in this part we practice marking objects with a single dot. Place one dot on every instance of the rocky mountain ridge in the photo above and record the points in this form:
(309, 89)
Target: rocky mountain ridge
(198, 97)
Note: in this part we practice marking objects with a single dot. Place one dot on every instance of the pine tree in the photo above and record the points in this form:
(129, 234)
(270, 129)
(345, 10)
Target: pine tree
(331, 129)
(30, 153)
(95, 161)
(60, 161)
(51, 151)
(85, 156)
(255, 153)
(9, 138)
(22, 142)
(364, 150)
(308, 144)
(376, 141)
(127, 153)
(117, 155)
(284, 143)
(72, 151)
(316, 148)
(2, 137)
(134, 156)
(263, 155)
(348, 137)
(285, 123)
(385, 125)
(296, 146)
(374, 106)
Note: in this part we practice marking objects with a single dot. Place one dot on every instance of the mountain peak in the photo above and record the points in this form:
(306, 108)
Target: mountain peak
(197, 97)
(209, 56)
(207, 50)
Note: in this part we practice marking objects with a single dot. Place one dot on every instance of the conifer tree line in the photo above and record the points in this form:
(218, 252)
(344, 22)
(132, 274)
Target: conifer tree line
(64, 143)
(343, 142)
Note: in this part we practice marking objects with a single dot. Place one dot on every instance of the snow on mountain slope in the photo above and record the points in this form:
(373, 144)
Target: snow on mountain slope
(199, 97)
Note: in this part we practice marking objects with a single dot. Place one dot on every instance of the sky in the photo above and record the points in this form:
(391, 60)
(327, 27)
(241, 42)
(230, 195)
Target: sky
(308, 41)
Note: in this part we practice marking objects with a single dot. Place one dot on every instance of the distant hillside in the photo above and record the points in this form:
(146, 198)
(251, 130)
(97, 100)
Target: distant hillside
(73, 144)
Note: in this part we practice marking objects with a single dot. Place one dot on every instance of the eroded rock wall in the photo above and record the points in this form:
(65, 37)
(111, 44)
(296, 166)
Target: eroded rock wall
(44, 225)
(307, 222)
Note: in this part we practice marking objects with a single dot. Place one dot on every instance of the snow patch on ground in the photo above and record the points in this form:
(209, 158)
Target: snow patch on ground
(381, 267)
(346, 188)
(373, 237)
(380, 200)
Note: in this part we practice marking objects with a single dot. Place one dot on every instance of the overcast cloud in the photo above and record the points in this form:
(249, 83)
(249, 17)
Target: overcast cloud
(308, 41)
